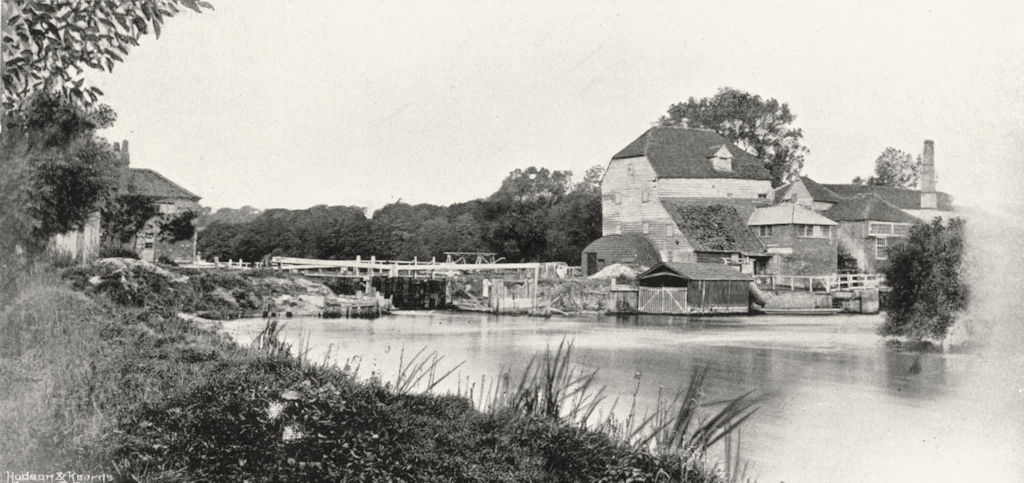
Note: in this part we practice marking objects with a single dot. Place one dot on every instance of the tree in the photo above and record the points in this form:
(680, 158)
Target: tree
(893, 168)
(535, 186)
(518, 212)
(48, 44)
(928, 287)
(123, 217)
(762, 127)
(54, 171)
(227, 215)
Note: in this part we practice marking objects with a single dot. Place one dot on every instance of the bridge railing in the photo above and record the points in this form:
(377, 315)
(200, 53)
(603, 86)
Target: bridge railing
(851, 281)
(820, 283)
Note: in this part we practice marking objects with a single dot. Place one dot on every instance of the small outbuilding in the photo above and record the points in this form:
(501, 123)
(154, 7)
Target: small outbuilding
(693, 288)
(629, 249)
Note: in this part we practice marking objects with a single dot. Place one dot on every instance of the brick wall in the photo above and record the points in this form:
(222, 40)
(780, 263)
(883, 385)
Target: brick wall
(806, 256)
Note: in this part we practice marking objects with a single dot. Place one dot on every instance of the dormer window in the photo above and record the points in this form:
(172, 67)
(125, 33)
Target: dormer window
(721, 159)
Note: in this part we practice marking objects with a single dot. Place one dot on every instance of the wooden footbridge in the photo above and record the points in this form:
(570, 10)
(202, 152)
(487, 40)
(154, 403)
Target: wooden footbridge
(821, 284)
(506, 287)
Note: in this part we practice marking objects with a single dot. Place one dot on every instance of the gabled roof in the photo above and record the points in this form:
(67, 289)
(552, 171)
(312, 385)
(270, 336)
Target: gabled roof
(903, 198)
(815, 190)
(715, 224)
(626, 248)
(868, 206)
(695, 271)
(147, 182)
(677, 152)
(787, 214)
(819, 192)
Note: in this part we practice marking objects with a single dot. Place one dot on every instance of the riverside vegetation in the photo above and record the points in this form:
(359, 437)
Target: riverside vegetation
(103, 375)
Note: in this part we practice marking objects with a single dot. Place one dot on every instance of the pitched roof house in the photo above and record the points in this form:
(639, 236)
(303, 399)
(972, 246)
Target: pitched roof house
(872, 218)
(802, 241)
(688, 192)
(868, 225)
(171, 199)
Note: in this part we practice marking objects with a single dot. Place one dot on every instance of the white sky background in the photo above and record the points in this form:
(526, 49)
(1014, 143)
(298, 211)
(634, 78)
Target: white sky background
(297, 103)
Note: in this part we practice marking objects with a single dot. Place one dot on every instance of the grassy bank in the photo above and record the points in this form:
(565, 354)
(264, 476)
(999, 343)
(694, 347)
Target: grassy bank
(102, 376)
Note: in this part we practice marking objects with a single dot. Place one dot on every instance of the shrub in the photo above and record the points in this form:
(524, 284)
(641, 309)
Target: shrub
(118, 252)
(928, 287)
(178, 227)
(125, 215)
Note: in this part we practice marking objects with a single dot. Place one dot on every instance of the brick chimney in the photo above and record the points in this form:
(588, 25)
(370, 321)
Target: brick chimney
(122, 166)
(929, 199)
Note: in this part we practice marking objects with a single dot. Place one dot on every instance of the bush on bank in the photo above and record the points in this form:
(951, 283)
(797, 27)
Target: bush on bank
(926, 275)
(115, 382)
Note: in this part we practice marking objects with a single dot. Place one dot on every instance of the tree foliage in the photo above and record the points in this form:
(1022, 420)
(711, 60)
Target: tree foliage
(179, 226)
(55, 172)
(536, 214)
(926, 275)
(762, 127)
(227, 215)
(124, 216)
(47, 45)
(893, 168)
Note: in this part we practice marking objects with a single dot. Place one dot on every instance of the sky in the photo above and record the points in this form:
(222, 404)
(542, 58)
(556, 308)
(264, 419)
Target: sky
(290, 104)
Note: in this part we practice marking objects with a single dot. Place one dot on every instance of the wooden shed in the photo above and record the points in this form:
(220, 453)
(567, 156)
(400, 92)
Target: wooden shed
(693, 288)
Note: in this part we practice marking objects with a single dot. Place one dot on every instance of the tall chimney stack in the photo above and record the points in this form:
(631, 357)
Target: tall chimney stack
(122, 166)
(927, 166)
(929, 199)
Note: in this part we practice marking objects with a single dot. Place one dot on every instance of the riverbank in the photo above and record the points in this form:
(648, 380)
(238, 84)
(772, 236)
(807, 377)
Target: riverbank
(103, 376)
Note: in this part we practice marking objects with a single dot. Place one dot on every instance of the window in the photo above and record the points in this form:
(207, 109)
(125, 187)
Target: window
(881, 249)
(645, 195)
(762, 196)
(764, 230)
(165, 207)
(618, 229)
(805, 230)
(722, 164)
(880, 228)
(646, 228)
(670, 230)
(618, 199)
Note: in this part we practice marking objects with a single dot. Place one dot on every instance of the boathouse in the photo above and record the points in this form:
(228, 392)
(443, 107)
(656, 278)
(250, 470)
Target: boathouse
(693, 288)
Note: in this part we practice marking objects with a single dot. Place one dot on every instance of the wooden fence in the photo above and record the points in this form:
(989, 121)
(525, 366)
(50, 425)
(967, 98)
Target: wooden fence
(820, 284)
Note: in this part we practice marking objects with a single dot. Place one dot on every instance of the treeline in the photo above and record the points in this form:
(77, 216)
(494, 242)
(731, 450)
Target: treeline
(536, 215)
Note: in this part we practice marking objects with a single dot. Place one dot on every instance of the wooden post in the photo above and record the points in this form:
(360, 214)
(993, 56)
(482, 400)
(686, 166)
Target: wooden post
(536, 286)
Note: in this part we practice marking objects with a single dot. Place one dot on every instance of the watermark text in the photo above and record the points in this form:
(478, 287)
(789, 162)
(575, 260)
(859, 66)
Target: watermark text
(66, 476)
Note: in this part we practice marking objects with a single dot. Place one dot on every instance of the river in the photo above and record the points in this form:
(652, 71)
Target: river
(838, 403)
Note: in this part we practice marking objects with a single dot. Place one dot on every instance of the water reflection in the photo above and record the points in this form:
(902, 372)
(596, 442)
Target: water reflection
(837, 403)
